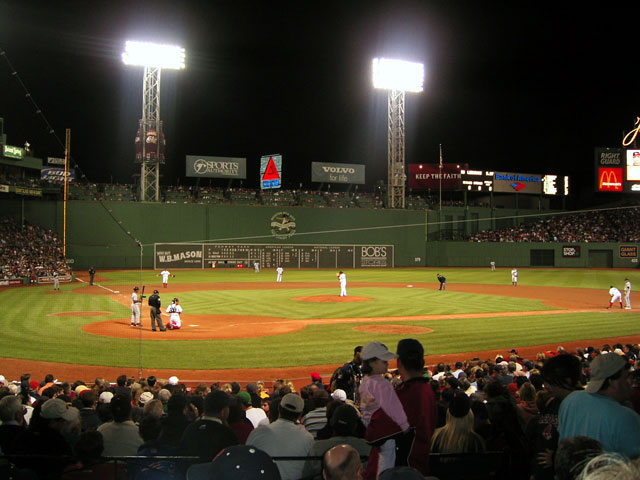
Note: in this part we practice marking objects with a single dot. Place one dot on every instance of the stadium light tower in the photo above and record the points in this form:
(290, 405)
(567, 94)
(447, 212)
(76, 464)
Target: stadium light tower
(398, 77)
(150, 143)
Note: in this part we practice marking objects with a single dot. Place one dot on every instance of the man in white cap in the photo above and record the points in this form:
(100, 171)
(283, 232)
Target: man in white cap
(598, 412)
(285, 437)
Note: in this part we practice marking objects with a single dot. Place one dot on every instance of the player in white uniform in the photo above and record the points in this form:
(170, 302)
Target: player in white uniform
(514, 277)
(615, 295)
(135, 308)
(627, 293)
(256, 267)
(343, 283)
(174, 310)
(56, 281)
(165, 274)
(279, 272)
(493, 265)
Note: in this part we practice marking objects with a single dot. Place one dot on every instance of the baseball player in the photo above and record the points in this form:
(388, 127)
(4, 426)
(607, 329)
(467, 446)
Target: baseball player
(56, 281)
(443, 281)
(92, 274)
(156, 314)
(174, 310)
(135, 308)
(256, 267)
(627, 293)
(493, 265)
(279, 272)
(514, 277)
(342, 277)
(615, 295)
(165, 274)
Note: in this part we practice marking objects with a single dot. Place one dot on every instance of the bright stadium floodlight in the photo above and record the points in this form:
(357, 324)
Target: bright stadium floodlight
(150, 142)
(145, 54)
(398, 77)
(389, 74)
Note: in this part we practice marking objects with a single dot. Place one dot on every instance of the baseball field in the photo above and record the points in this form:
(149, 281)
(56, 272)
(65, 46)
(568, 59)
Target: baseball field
(241, 325)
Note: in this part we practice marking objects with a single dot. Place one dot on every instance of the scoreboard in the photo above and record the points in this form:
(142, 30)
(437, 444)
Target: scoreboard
(227, 255)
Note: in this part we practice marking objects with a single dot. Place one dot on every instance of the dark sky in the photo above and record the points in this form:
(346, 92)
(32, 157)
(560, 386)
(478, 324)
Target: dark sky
(527, 87)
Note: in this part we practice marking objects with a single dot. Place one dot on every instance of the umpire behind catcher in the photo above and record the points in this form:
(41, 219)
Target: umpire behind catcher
(156, 315)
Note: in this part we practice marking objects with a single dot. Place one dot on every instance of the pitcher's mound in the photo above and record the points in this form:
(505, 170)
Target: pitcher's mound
(393, 329)
(331, 299)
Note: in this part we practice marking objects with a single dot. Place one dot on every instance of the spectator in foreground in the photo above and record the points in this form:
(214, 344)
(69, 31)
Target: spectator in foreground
(342, 462)
(121, 438)
(457, 436)
(573, 454)
(239, 462)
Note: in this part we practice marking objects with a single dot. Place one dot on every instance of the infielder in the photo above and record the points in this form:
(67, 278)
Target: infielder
(174, 310)
(615, 295)
(135, 308)
(627, 293)
(443, 281)
(514, 277)
(279, 272)
(342, 277)
(165, 274)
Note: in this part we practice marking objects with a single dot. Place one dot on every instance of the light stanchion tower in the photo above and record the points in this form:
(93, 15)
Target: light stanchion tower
(398, 77)
(150, 142)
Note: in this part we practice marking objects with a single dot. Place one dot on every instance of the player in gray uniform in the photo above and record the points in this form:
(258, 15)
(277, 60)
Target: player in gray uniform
(135, 308)
(56, 281)
(627, 293)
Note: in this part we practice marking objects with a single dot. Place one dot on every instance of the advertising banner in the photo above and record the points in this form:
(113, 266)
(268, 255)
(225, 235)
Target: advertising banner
(216, 167)
(609, 164)
(270, 171)
(9, 151)
(56, 174)
(526, 183)
(425, 176)
(337, 173)
(178, 255)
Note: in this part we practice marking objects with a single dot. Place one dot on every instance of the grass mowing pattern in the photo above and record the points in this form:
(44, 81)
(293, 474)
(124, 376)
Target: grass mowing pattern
(29, 333)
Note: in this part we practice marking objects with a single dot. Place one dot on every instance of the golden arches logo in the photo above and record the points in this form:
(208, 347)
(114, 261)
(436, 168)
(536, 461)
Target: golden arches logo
(609, 179)
(630, 137)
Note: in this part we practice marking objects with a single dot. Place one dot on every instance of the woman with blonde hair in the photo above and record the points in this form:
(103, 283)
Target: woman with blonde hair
(457, 436)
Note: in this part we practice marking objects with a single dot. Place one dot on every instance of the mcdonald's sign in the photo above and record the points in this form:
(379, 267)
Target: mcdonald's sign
(609, 179)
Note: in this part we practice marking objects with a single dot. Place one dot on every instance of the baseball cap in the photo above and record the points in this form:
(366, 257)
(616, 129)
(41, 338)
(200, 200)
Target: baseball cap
(245, 397)
(603, 367)
(377, 350)
(156, 291)
(345, 418)
(460, 404)
(315, 376)
(238, 462)
(292, 402)
(81, 388)
(145, 397)
(409, 345)
(339, 394)
(3, 380)
(105, 397)
(56, 408)
(173, 380)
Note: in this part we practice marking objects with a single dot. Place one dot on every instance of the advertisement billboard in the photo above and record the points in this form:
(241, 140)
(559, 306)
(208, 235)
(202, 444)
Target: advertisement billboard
(56, 174)
(425, 176)
(609, 163)
(526, 183)
(216, 167)
(270, 171)
(337, 173)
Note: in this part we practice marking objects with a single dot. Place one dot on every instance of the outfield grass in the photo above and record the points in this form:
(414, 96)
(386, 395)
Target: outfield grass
(28, 333)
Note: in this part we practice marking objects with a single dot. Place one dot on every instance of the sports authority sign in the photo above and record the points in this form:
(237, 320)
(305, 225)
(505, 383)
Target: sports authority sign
(337, 173)
(216, 167)
(425, 176)
(528, 183)
(609, 163)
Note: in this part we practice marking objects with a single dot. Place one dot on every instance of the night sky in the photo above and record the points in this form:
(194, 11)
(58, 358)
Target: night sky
(528, 87)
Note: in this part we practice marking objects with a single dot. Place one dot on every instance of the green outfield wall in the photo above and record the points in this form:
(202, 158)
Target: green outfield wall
(104, 234)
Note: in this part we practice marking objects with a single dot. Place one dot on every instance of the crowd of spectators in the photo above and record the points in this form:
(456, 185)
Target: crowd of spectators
(614, 225)
(29, 251)
(536, 412)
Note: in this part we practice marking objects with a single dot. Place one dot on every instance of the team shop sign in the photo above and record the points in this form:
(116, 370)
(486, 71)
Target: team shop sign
(527, 183)
(216, 167)
(337, 173)
(428, 176)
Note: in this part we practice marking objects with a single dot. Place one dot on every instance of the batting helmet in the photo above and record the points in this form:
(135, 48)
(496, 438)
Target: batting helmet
(155, 291)
(136, 288)
(175, 300)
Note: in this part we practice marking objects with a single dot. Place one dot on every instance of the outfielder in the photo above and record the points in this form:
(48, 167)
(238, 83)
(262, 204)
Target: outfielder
(165, 274)
(493, 265)
(279, 272)
(514, 277)
(342, 277)
(135, 308)
(627, 293)
(56, 281)
(615, 295)
(174, 310)
(256, 267)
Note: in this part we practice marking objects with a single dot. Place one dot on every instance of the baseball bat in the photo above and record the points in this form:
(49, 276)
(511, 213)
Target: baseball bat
(142, 294)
